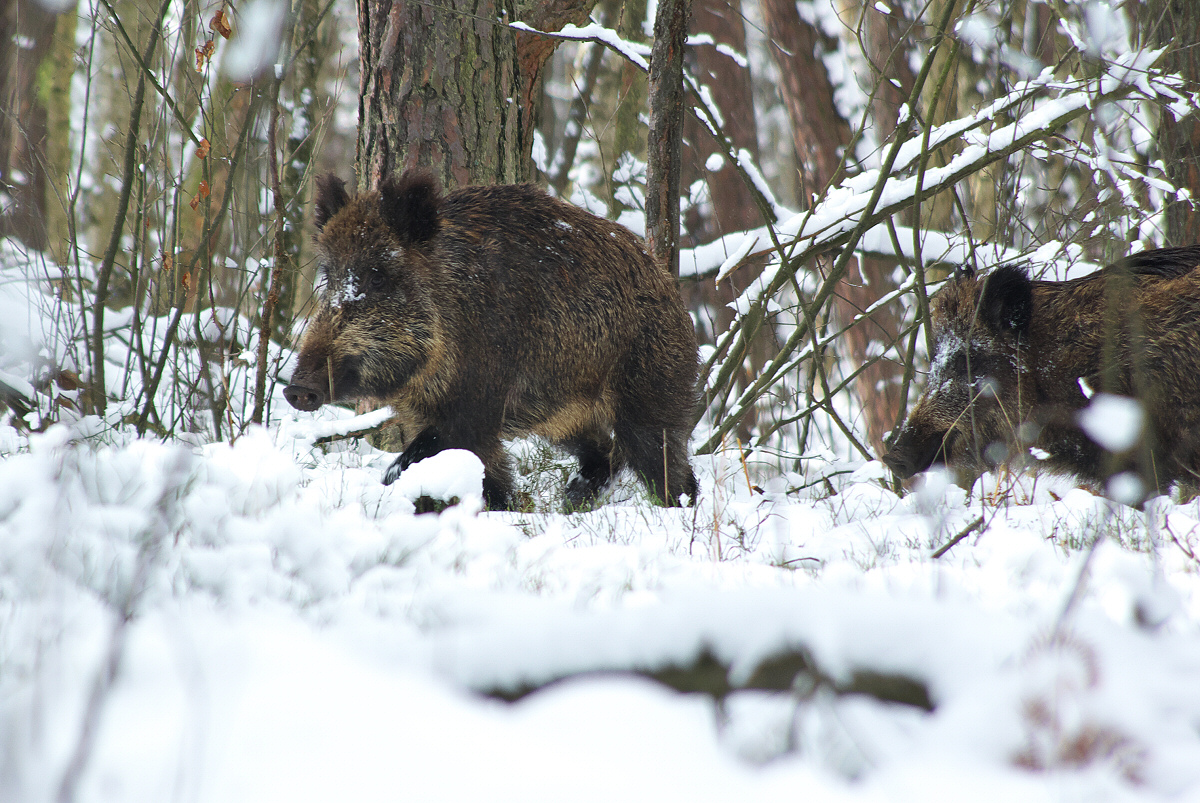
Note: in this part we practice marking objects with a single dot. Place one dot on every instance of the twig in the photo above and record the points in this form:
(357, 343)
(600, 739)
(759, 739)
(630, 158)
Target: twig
(99, 393)
(1191, 553)
(963, 533)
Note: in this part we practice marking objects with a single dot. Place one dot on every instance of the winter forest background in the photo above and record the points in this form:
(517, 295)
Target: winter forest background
(197, 607)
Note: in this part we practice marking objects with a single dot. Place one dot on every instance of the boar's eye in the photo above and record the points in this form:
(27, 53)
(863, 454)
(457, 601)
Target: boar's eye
(377, 282)
(975, 364)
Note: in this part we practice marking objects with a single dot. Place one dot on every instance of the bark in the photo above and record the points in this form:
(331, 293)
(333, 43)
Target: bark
(577, 113)
(1176, 24)
(666, 132)
(729, 86)
(452, 87)
(631, 103)
(23, 174)
(57, 100)
(733, 207)
(818, 130)
(782, 672)
(311, 46)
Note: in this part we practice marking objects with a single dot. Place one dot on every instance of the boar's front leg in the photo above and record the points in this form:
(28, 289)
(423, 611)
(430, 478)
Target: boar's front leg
(426, 444)
(497, 475)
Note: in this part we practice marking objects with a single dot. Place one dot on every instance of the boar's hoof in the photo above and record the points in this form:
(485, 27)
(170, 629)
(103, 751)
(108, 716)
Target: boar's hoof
(580, 494)
(303, 398)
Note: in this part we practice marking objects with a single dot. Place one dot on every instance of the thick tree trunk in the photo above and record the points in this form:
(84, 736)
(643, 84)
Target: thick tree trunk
(818, 130)
(452, 87)
(879, 385)
(28, 29)
(728, 83)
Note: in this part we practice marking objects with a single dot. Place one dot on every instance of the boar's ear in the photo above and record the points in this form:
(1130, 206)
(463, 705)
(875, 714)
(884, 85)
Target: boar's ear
(411, 205)
(1006, 303)
(964, 272)
(331, 196)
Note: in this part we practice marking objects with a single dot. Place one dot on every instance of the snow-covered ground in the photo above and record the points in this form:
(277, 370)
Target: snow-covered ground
(266, 621)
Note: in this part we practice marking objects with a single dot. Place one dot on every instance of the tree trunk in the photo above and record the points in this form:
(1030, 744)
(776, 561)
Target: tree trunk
(23, 175)
(818, 130)
(732, 206)
(666, 132)
(728, 83)
(1176, 24)
(629, 135)
(820, 135)
(452, 87)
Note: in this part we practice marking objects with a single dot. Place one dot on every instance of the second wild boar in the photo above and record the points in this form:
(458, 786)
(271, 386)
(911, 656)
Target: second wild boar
(1021, 363)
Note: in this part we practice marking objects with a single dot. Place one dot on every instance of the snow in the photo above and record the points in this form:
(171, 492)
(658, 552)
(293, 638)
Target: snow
(301, 635)
(279, 625)
(1114, 422)
(452, 474)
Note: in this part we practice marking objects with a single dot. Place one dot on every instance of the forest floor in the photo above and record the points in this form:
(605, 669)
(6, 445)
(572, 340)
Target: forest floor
(266, 621)
(263, 620)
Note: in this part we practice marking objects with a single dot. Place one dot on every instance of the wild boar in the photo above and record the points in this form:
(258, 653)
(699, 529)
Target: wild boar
(1020, 363)
(496, 312)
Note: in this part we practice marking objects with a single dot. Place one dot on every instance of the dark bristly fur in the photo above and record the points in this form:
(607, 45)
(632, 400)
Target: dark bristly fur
(496, 312)
(1013, 354)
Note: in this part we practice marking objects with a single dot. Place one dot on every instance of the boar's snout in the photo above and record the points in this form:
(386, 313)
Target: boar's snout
(910, 453)
(303, 397)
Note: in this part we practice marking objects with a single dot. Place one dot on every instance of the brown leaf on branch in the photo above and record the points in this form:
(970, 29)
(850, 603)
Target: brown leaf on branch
(204, 54)
(220, 24)
(202, 149)
(201, 194)
(68, 380)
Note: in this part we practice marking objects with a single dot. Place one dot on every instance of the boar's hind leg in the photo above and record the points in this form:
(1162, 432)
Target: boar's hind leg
(497, 474)
(644, 449)
(593, 450)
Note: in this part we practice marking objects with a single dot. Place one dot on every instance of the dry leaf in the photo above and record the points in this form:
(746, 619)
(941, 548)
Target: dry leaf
(68, 380)
(186, 281)
(204, 53)
(220, 24)
(201, 194)
(202, 149)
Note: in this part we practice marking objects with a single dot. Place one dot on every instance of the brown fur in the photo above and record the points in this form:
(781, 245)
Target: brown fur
(1132, 329)
(497, 312)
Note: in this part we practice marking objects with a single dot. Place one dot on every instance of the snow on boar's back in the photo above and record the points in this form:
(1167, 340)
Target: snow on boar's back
(1101, 374)
(496, 312)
